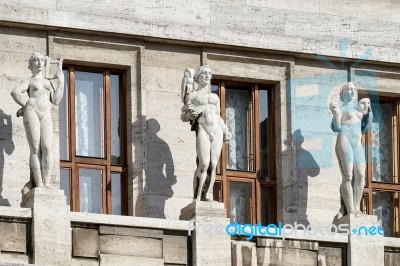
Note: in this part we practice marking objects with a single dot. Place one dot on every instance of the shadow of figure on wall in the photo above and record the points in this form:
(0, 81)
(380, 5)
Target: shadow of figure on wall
(306, 167)
(159, 172)
(7, 147)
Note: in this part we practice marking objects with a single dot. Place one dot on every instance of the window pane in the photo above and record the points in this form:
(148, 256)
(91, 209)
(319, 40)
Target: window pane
(215, 89)
(263, 116)
(116, 193)
(238, 120)
(267, 211)
(65, 184)
(364, 203)
(240, 198)
(217, 191)
(384, 205)
(90, 190)
(115, 119)
(89, 114)
(63, 117)
(381, 142)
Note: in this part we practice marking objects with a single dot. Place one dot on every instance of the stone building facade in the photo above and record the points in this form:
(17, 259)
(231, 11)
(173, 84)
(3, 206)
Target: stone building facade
(297, 55)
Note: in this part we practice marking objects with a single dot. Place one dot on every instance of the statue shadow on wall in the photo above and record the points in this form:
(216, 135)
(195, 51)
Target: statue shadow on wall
(6, 147)
(159, 172)
(306, 167)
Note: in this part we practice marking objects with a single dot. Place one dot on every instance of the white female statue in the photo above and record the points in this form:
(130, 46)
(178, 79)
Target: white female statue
(202, 109)
(350, 123)
(36, 114)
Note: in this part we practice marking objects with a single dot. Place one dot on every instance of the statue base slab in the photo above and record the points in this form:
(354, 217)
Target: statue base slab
(208, 219)
(51, 226)
(366, 235)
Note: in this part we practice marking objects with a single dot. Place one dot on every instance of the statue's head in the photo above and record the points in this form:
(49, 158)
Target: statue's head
(348, 92)
(363, 105)
(37, 60)
(203, 75)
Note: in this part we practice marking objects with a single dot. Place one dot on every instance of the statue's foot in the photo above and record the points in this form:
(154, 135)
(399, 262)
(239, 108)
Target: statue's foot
(358, 213)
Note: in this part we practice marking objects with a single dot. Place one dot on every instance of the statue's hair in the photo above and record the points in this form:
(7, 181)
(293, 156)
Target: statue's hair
(33, 56)
(345, 87)
(198, 72)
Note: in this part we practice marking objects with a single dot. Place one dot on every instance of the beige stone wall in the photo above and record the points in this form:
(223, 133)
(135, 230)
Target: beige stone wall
(15, 240)
(171, 146)
(161, 149)
(306, 27)
(317, 172)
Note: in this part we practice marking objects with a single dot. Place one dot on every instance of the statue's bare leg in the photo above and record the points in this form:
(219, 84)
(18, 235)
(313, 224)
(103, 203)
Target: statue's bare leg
(203, 154)
(216, 146)
(46, 128)
(32, 129)
(345, 156)
(359, 176)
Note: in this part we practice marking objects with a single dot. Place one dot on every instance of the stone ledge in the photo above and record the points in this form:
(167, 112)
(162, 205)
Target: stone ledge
(204, 209)
(14, 212)
(337, 238)
(127, 231)
(117, 220)
(392, 242)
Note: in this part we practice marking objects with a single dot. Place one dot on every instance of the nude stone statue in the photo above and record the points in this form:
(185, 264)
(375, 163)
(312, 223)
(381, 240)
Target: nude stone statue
(202, 109)
(350, 123)
(36, 114)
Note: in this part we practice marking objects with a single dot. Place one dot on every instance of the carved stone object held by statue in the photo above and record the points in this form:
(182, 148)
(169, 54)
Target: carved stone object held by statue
(36, 114)
(350, 123)
(202, 109)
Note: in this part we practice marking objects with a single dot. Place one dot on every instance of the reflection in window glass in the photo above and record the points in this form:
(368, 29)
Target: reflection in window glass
(90, 190)
(381, 142)
(240, 198)
(263, 118)
(239, 155)
(115, 119)
(63, 117)
(65, 183)
(116, 193)
(384, 207)
(89, 114)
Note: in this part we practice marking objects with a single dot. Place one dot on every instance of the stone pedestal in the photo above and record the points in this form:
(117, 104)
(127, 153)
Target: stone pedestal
(366, 243)
(211, 245)
(51, 226)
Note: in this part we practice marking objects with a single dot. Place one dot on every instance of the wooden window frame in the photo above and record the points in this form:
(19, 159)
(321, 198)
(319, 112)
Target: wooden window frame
(374, 186)
(75, 162)
(226, 176)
